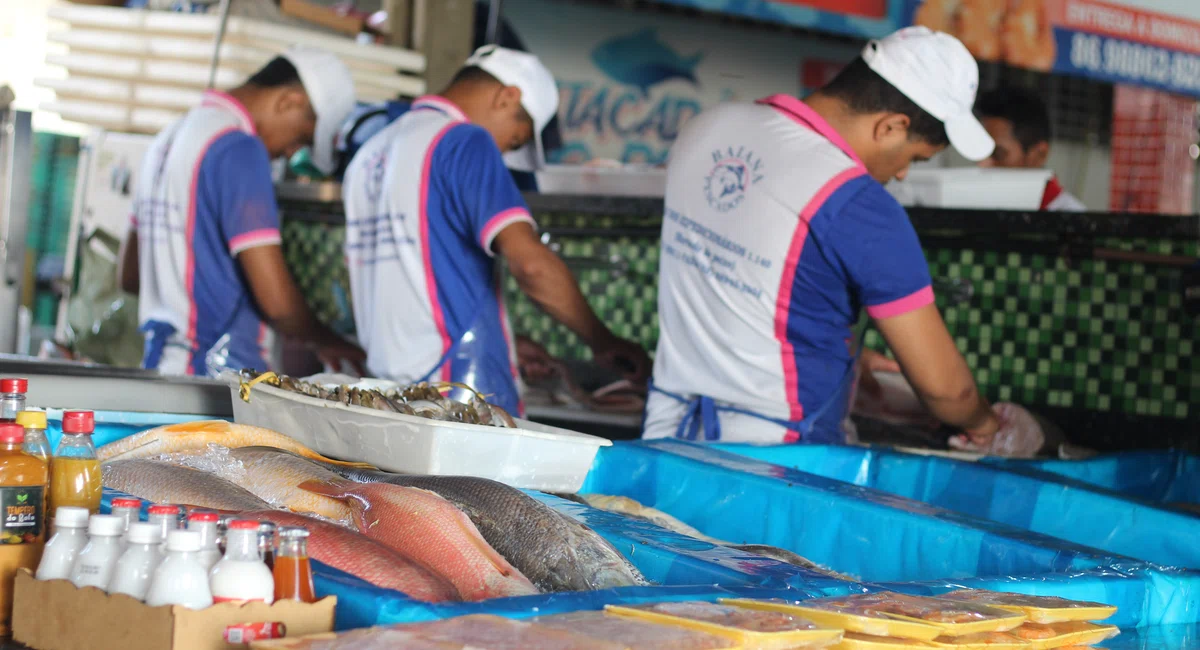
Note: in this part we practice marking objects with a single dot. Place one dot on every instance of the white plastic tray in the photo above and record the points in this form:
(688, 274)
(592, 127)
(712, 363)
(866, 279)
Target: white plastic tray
(533, 456)
(972, 187)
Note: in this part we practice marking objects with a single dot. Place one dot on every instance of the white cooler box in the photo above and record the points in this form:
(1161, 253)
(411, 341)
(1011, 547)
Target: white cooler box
(532, 456)
(972, 188)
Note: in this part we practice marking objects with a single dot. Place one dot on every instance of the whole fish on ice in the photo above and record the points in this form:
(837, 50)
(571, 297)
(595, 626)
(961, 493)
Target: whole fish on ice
(363, 558)
(197, 436)
(431, 531)
(556, 552)
(161, 482)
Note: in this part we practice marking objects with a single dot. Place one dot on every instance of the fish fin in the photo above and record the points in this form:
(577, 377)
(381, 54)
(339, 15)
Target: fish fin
(331, 489)
(693, 61)
(312, 455)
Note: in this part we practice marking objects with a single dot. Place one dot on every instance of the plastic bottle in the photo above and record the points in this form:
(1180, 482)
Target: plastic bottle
(293, 571)
(129, 510)
(205, 523)
(165, 516)
(180, 579)
(266, 543)
(241, 575)
(12, 397)
(133, 571)
(69, 539)
(94, 565)
(36, 443)
(74, 469)
(22, 513)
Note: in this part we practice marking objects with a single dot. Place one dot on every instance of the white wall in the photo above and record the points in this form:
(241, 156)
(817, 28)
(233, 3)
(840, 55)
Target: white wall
(23, 48)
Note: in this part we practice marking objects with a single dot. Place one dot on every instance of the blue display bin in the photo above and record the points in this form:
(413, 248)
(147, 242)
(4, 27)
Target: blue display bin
(1165, 477)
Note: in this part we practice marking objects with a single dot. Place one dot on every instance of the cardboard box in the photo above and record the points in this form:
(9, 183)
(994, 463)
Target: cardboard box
(56, 615)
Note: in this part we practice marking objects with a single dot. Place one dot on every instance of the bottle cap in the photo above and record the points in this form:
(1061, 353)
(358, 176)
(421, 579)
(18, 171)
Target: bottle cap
(164, 509)
(267, 527)
(203, 517)
(14, 385)
(12, 433)
(184, 541)
(71, 517)
(110, 525)
(124, 502)
(293, 532)
(32, 419)
(243, 524)
(144, 533)
(78, 422)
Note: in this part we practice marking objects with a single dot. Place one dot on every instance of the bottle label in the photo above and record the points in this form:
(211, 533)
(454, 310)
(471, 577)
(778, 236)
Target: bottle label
(248, 632)
(21, 507)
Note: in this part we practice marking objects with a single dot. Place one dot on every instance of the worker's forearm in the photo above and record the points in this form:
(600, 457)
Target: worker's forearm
(968, 411)
(550, 284)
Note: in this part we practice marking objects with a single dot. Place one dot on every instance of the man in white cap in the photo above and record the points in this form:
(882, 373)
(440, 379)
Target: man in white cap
(203, 252)
(778, 231)
(429, 203)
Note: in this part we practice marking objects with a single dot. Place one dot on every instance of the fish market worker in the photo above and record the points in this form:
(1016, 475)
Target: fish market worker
(778, 231)
(429, 204)
(203, 252)
(1018, 121)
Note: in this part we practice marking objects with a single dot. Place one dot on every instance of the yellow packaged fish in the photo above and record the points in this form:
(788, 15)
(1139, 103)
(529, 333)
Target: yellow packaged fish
(982, 641)
(1061, 635)
(1038, 609)
(951, 618)
(751, 629)
(827, 612)
(856, 641)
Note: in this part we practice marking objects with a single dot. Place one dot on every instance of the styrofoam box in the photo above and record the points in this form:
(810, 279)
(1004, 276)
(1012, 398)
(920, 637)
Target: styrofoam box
(972, 188)
(604, 181)
(532, 456)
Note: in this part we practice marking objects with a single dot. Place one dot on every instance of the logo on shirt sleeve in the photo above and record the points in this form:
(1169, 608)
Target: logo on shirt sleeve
(734, 171)
(376, 168)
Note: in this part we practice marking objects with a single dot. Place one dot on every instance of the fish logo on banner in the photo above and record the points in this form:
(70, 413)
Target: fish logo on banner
(642, 60)
(733, 172)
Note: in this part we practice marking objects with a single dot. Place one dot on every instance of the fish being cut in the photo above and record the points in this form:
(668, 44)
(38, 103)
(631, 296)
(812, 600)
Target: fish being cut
(431, 531)
(196, 436)
(161, 482)
(362, 557)
(554, 551)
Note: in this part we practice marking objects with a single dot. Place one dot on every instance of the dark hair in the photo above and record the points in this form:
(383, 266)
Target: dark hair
(1023, 108)
(473, 74)
(864, 91)
(278, 72)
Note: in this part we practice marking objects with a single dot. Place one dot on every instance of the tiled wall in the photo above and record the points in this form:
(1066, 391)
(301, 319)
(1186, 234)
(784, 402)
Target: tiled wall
(1039, 329)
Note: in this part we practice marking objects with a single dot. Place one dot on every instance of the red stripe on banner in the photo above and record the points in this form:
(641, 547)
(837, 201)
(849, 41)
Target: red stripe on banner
(865, 8)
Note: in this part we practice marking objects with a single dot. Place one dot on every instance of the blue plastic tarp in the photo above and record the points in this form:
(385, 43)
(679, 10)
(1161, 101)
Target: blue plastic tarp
(1015, 495)
(855, 530)
(1159, 476)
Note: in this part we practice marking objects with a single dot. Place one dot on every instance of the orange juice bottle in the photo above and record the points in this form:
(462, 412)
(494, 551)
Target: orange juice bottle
(22, 514)
(293, 571)
(74, 469)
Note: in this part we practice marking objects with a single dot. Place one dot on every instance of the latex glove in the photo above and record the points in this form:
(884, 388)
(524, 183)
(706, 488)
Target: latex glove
(1019, 436)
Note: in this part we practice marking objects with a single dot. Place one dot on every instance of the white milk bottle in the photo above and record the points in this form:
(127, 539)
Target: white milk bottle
(205, 523)
(69, 538)
(181, 578)
(128, 509)
(242, 575)
(94, 564)
(142, 555)
(166, 516)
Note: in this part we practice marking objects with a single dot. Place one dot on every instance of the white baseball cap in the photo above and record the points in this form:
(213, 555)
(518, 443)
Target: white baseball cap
(539, 96)
(937, 72)
(330, 89)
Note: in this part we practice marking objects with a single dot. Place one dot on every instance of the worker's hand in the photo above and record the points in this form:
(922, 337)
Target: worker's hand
(625, 357)
(1019, 435)
(341, 353)
(534, 361)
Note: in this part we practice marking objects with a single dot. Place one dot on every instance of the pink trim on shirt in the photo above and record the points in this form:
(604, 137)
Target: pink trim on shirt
(784, 301)
(430, 281)
(500, 222)
(802, 113)
(914, 300)
(190, 263)
(442, 104)
(248, 240)
(218, 99)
